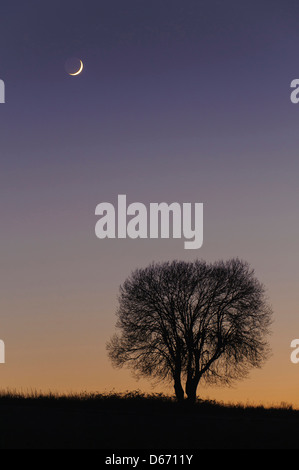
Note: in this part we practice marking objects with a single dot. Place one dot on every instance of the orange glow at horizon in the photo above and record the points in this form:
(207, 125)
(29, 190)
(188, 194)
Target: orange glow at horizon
(67, 354)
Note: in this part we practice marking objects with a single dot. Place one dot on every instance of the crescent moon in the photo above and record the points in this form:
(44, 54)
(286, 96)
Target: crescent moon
(79, 71)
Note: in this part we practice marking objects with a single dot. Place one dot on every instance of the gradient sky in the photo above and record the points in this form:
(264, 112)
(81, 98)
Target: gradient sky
(185, 101)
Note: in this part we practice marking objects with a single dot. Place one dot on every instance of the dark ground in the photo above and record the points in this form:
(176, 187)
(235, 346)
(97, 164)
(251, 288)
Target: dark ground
(137, 422)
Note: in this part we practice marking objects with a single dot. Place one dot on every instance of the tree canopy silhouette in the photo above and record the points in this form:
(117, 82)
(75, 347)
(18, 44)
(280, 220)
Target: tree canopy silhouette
(192, 322)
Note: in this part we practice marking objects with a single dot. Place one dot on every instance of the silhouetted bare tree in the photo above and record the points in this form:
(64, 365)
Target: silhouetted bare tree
(192, 321)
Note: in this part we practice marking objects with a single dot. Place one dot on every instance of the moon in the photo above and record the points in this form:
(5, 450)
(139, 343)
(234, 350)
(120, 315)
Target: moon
(79, 71)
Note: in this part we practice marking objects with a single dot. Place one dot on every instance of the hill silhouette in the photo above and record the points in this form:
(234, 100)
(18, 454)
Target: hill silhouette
(137, 421)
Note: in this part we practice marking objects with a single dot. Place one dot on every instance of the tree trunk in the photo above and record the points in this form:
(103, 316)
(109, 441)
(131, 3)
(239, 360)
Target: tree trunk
(191, 389)
(192, 394)
(179, 391)
(177, 372)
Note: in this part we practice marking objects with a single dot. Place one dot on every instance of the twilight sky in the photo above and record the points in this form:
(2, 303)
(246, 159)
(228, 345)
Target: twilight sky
(185, 101)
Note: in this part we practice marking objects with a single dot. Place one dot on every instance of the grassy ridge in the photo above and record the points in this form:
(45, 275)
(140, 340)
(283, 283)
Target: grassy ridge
(138, 421)
(138, 399)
